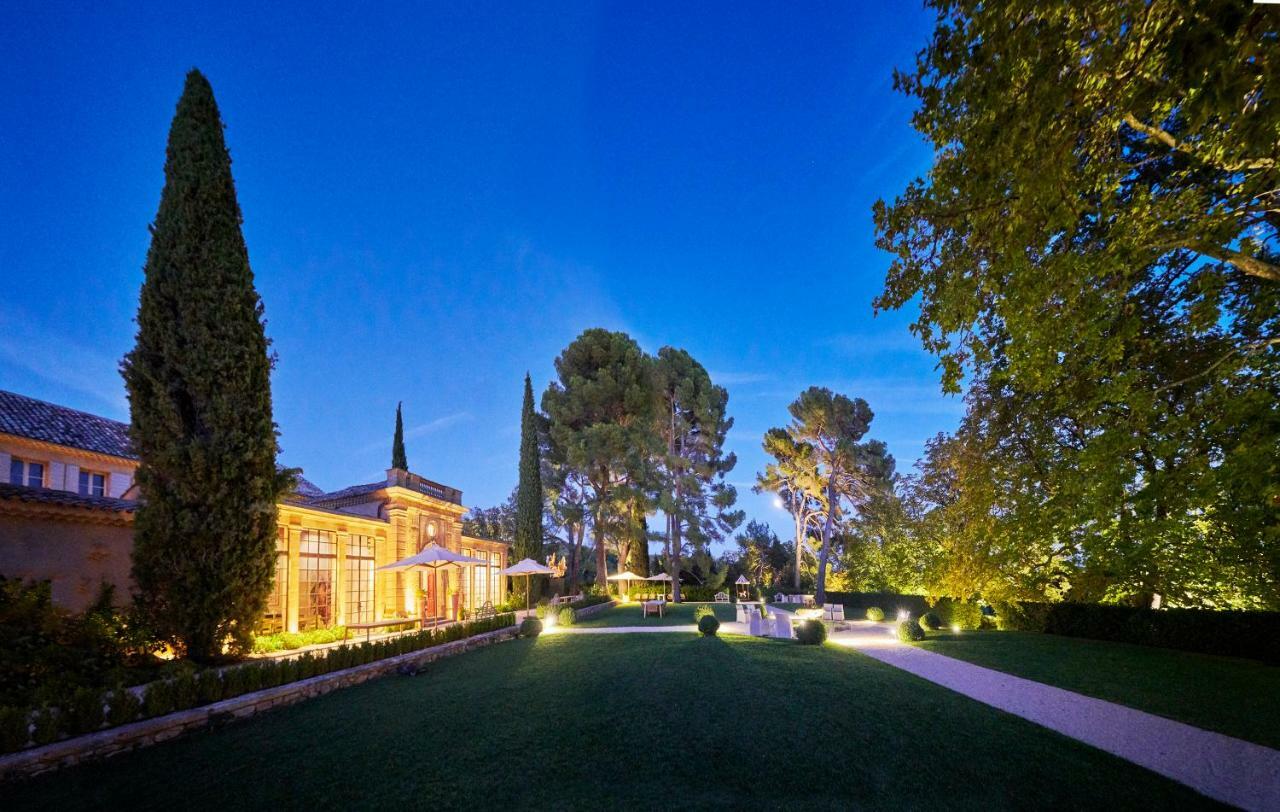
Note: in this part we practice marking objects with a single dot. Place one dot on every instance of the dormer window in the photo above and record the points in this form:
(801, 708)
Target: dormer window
(26, 472)
(93, 484)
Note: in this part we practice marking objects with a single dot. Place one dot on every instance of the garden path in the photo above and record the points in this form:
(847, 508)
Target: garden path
(1222, 767)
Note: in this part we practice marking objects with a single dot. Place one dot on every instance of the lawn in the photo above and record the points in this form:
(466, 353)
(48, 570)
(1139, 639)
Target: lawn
(675, 614)
(1238, 697)
(622, 722)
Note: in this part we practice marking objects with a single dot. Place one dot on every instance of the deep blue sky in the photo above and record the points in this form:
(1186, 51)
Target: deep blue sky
(437, 199)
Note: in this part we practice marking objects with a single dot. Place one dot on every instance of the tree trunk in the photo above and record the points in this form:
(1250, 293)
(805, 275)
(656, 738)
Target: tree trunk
(799, 544)
(602, 561)
(673, 517)
(820, 593)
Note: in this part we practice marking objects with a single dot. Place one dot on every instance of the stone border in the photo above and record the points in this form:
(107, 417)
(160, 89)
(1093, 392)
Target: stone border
(588, 611)
(123, 738)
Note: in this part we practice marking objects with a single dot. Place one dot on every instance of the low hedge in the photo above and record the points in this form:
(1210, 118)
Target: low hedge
(890, 602)
(589, 600)
(86, 710)
(1231, 633)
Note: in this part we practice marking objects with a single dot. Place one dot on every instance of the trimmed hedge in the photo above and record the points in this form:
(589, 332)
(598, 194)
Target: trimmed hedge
(890, 602)
(811, 632)
(909, 631)
(88, 709)
(1232, 633)
(708, 625)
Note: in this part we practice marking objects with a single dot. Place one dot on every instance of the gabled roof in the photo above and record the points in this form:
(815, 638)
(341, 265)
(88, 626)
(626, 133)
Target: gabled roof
(34, 419)
(306, 489)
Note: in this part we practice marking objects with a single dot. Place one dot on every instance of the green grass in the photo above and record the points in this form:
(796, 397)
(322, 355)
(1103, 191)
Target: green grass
(675, 614)
(1237, 697)
(621, 722)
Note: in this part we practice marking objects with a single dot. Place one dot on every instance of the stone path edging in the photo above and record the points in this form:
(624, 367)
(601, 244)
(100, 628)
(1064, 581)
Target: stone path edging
(111, 741)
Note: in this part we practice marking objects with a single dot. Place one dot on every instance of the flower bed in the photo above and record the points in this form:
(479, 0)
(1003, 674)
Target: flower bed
(89, 710)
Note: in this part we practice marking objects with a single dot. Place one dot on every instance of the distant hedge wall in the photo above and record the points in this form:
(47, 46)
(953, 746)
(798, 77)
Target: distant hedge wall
(890, 602)
(1254, 635)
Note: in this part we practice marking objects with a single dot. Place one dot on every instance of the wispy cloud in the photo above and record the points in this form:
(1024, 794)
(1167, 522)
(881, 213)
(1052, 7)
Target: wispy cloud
(738, 378)
(872, 344)
(54, 357)
(420, 430)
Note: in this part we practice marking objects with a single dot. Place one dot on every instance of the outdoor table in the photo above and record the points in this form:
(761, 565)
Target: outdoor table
(655, 605)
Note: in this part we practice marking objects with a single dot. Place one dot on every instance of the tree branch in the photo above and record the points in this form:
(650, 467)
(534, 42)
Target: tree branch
(1166, 138)
(1250, 265)
(1247, 349)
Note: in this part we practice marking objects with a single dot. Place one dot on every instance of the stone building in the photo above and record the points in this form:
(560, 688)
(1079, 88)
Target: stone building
(67, 502)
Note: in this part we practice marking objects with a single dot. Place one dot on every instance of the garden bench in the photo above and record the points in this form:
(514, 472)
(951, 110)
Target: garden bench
(485, 611)
(722, 597)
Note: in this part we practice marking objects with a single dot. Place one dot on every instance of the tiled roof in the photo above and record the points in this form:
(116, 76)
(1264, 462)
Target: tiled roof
(37, 420)
(306, 489)
(354, 490)
(48, 496)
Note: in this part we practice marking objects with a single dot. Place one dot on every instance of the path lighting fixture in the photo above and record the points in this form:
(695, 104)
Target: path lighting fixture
(955, 627)
(903, 614)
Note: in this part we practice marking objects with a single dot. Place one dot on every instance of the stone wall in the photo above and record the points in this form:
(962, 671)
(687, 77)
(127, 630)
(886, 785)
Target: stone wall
(151, 731)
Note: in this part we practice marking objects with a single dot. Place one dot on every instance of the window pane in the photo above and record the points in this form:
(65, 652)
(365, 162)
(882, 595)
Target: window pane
(15, 471)
(318, 550)
(98, 485)
(35, 475)
(84, 483)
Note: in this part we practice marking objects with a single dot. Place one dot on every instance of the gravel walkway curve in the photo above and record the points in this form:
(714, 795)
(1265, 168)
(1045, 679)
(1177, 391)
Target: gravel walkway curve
(1224, 768)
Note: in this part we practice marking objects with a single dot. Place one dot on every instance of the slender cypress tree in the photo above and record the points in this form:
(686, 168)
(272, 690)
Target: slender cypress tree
(528, 540)
(199, 384)
(398, 459)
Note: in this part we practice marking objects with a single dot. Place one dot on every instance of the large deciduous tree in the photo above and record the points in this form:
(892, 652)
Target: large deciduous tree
(1094, 248)
(199, 384)
(848, 471)
(793, 477)
(692, 423)
(600, 413)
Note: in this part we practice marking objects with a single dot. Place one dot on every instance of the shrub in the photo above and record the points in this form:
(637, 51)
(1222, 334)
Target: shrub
(530, 627)
(930, 621)
(14, 729)
(185, 693)
(811, 632)
(83, 712)
(703, 611)
(123, 707)
(590, 600)
(708, 625)
(158, 698)
(208, 686)
(856, 603)
(875, 613)
(909, 631)
(700, 593)
(232, 683)
(567, 617)
(1226, 633)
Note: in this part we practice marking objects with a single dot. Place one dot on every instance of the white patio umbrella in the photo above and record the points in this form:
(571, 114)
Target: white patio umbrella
(527, 567)
(662, 576)
(432, 558)
(627, 576)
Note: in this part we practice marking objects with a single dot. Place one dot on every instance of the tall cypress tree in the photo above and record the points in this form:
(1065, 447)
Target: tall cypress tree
(199, 384)
(398, 459)
(528, 540)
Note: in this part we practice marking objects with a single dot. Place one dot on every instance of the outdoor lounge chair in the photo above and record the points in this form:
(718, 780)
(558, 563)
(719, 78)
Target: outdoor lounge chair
(782, 626)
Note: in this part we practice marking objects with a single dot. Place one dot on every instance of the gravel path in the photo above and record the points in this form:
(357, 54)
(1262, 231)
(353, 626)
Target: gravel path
(1224, 768)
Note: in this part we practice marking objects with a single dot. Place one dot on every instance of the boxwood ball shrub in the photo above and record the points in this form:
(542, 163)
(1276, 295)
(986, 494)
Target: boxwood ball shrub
(930, 620)
(811, 632)
(875, 613)
(708, 625)
(909, 631)
(531, 627)
(567, 617)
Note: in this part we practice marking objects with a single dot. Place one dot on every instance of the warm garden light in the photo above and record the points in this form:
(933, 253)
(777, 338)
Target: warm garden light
(903, 614)
(955, 627)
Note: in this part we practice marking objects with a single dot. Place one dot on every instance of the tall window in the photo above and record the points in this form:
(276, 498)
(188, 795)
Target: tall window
(278, 599)
(480, 581)
(318, 558)
(357, 575)
(26, 472)
(495, 593)
(93, 484)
